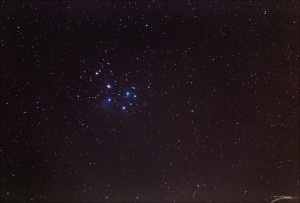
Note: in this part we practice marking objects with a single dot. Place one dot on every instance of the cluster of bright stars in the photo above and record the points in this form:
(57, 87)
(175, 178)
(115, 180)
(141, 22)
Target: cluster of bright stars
(127, 94)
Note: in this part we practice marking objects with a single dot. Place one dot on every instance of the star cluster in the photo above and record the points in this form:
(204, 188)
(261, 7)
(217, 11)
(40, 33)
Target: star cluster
(114, 95)
(149, 101)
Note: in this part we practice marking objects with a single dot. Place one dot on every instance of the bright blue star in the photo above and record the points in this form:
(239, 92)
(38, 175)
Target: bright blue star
(127, 94)
(123, 107)
(108, 86)
(109, 99)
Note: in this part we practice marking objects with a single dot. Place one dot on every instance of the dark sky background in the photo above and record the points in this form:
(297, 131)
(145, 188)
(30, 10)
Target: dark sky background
(149, 101)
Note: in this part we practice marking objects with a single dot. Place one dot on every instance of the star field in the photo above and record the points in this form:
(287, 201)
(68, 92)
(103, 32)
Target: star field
(194, 101)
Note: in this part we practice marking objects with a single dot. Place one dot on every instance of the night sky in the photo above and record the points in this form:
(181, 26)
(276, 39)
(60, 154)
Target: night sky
(149, 101)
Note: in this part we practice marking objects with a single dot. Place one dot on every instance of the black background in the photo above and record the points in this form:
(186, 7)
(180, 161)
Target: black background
(216, 117)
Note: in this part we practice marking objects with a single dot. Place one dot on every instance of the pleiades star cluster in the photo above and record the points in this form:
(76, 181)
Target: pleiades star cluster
(118, 95)
(149, 101)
